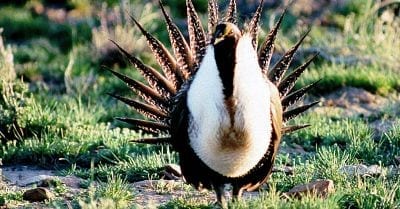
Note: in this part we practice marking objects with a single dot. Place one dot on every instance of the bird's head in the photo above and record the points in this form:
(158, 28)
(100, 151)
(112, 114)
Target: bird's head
(224, 41)
(227, 33)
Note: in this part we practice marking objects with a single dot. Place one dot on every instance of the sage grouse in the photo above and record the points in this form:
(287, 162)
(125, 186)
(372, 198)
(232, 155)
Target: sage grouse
(217, 102)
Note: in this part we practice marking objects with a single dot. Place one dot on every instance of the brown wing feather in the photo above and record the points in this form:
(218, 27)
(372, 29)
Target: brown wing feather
(153, 77)
(155, 140)
(196, 34)
(212, 16)
(276, 73)
(267, 48)
(146, 93)
(290, 129)
(149, 111)
(287, 84)
(163, 57)
(146, 125)
(255, 24)
(179, 45)
(231, 15)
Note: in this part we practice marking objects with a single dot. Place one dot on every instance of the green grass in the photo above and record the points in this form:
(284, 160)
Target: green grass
(55, 110)
(20, 25)
(375, 79)
(10, 197)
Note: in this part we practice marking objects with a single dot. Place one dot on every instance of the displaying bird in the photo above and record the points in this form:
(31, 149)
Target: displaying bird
(217, 102)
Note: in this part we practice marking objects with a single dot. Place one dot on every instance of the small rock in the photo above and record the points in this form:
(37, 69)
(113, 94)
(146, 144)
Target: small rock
(71, 181)
(393, 170)
(46, 183)
(321, 188)
(38, 194)
(397, 159)
(361, 170)
(284, 169)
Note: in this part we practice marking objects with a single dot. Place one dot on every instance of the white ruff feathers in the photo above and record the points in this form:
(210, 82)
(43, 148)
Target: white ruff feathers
(209, 116)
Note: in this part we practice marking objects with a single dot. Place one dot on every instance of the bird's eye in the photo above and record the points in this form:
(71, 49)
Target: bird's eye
(220, 31)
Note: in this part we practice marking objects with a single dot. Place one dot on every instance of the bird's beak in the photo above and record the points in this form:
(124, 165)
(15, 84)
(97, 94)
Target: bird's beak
(219, 39)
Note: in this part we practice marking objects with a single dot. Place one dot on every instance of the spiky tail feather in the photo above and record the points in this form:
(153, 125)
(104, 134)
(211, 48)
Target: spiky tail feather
(156, 97)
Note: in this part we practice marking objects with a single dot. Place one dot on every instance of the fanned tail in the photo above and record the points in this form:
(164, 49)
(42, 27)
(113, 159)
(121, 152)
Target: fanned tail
(254, 25)
(212, 16)
(163, 86)
(276, 73)
(290, 114)
(181, 48)
(231, 15)
(156, 96)
(146, 110)
(287, 84)
(163, 57)
(146, 93)
(267, 48)
(196, 34)
(295, 96)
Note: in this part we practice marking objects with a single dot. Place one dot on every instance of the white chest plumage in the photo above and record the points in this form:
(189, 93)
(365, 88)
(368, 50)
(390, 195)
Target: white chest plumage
(211, 127)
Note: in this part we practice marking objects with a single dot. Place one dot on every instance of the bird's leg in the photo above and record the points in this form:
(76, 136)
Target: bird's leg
(237, 193)
(220, 192)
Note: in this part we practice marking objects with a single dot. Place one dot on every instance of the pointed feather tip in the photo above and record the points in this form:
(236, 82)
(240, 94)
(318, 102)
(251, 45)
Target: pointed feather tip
(116, 96)
(114, 72)
(110, 94)
(154, 141)
(290, 3)
(312, 104)
(231, 15)
(294, 97)
(189, 4)
(114, 42)
(120, 76)
(293, 128)
(123, 51)
(303, 36)
(278, 24)
(123, 119)
(160, 3)
(290, 114)
(144, 32)
(257, 15)
(261, 5)
(298, 71)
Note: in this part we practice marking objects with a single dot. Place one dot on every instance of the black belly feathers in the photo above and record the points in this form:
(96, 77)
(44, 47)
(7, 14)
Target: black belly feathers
(162, 97)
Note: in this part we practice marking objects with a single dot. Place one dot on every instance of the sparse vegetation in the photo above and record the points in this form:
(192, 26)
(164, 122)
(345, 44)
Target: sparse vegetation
(54, 109)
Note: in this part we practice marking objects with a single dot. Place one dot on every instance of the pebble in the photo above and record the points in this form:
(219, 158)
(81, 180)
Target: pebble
(38, 194)
(320, 188)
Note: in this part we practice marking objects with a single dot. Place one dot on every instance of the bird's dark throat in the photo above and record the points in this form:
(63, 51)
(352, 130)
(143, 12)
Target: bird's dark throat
(225, 57)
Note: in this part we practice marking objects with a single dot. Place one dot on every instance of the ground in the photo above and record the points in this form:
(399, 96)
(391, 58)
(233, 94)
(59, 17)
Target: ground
(57, 122)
